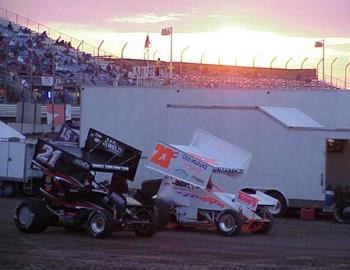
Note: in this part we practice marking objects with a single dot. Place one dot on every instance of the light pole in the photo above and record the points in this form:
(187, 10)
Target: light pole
(302, 66)
(319, 44)
(288, 61)
(181, 57)
(201, 66)
(254, 58)
(335, 59)
(318, 64)
(346, 68)
(273, 60)
(323, 63)
(98, 52)
(80, 44)
(122, 56)
(303, 62)
(145, 53)
(202, 56)
(154, 55)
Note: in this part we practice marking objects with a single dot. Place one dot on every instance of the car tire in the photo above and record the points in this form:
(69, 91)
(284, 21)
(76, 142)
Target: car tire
(100, 224)
(228, 223)
(146, 230)
(32, 216)
(163, 213)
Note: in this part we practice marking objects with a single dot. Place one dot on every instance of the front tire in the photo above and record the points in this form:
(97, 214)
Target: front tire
(32, 216)
(228, 223)
(146, 229)
(100, 224)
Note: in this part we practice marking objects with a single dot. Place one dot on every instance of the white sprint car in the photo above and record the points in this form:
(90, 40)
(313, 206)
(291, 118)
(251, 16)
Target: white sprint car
(189, 188)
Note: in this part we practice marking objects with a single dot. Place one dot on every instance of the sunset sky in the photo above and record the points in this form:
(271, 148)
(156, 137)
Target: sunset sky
(234, 30)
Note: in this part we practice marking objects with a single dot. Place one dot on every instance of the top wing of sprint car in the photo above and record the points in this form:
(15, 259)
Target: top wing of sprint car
(100, 153)
(195, 163)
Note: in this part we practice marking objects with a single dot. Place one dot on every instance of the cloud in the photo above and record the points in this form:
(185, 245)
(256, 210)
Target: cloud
(150, 18)
(220, 16)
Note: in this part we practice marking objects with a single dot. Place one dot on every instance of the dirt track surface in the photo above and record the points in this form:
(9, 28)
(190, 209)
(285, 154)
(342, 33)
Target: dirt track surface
(292, 244)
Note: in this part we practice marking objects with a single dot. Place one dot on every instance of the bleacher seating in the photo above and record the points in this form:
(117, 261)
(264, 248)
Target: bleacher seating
(26, 56)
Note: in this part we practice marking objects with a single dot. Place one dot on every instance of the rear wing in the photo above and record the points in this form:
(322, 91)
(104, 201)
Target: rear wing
(174, 162)
(225, 157)
(50, 157)
(195, 163)
(101, 153)
(106, 153)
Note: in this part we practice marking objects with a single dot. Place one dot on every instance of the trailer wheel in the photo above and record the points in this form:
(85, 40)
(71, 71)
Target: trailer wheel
(8, 190)
(228, 223)
(32, 216)
(149, 228)
(100, 224)
(341, 212)
(266, 226)
(281, 208)
(163, 213)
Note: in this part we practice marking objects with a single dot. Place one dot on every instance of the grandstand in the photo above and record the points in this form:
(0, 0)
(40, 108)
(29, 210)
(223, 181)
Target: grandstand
(33, 64)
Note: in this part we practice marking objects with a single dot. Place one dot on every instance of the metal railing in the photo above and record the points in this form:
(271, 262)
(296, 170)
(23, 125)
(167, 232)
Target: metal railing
(333, 81)
(18, 20)
(9, 110)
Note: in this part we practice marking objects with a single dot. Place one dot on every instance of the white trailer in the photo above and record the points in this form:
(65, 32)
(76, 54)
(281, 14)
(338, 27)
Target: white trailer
(293, 135)
(15, 160)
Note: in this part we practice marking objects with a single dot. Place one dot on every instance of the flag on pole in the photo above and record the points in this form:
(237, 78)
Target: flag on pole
(167, 31)
(147, 42)
(319, 44)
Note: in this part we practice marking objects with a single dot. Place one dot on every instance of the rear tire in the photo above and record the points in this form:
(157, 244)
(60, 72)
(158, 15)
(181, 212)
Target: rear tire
(32, 216)
(100, 224)
(267, 226)
(149, 229)
(228, 223)
(163, 213)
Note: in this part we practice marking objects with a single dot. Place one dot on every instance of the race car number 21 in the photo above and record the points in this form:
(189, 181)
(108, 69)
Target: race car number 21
(162, 156)
(49, 156)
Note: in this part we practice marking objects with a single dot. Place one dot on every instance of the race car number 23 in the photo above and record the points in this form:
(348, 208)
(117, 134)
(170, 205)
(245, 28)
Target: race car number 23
(162, 156)
(49, 156)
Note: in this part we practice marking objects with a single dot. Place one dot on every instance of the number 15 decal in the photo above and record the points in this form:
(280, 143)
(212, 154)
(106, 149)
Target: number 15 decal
(162, 156)
(49, 156)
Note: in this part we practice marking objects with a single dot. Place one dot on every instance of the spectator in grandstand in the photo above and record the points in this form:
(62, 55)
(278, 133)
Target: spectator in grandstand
(10, 27)
(20, 32)
(27, 31)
